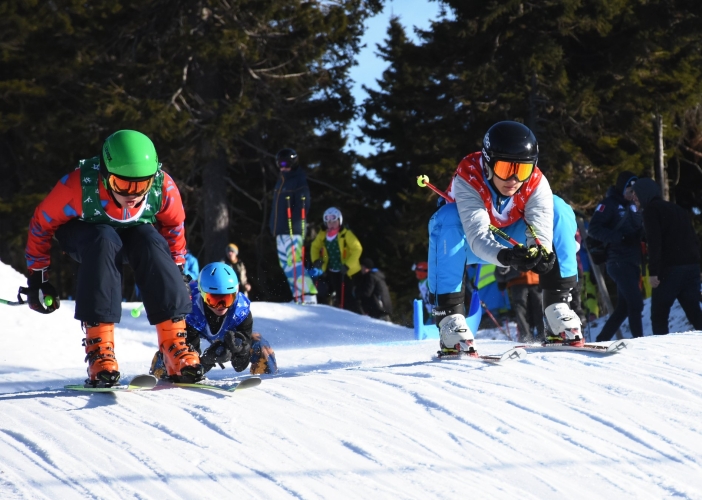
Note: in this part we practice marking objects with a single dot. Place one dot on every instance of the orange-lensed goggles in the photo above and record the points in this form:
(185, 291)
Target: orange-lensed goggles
(126, 187)
(218, 300)
(505, 170)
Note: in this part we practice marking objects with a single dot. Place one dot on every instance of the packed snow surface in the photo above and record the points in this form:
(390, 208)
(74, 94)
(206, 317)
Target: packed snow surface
(358, 410)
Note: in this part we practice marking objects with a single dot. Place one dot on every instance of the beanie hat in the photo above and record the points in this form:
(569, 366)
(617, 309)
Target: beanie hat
(367, 262)
(623, 180)
(233, 248)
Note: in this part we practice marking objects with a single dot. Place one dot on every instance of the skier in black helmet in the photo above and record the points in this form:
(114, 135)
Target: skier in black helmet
(291, 190)
(501, 187)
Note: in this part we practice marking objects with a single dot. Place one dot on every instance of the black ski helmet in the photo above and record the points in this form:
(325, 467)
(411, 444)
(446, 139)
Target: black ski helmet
(286, 158)
(511, 141)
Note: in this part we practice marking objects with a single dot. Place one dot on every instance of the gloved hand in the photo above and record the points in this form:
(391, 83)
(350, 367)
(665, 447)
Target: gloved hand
(546, 263)
(521, 258)
(217, 353)
(344, 269)
(502, 286)
(315, 273)
(39, 281)
(318, 264)
(240, 347)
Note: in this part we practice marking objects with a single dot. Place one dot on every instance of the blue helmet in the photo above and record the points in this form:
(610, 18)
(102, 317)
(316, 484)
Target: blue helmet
(217, 278)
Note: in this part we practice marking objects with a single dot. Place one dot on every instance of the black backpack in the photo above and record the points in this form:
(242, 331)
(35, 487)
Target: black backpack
(597, 250)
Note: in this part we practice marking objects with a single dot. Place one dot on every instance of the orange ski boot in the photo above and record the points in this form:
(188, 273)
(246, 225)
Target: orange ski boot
(99, 345)
(182, 361)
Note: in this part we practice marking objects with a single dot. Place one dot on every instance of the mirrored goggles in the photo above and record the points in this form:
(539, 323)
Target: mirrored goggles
(125, 187)
(218, 300)
(505, 170)
(330, 218)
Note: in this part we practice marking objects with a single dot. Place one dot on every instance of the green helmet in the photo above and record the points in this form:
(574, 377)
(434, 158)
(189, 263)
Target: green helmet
(130, 154)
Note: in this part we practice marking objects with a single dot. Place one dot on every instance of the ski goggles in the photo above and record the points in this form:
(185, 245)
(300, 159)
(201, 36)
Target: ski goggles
(129, 187)
(505, 170)
(218, 300)
(330, 218)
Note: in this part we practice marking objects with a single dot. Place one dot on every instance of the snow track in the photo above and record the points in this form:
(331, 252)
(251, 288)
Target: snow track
(363, 414)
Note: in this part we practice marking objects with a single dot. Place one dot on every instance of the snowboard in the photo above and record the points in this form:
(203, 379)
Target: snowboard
(514, 354)
(138, 383)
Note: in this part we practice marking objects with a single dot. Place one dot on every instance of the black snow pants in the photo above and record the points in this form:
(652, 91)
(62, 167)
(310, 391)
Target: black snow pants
(101, 250)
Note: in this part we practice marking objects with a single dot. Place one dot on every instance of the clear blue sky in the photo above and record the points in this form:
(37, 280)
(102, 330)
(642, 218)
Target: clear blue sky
(412, 13)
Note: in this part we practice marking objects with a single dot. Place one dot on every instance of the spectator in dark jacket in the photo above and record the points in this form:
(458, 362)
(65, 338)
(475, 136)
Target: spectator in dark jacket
(373, 292)
(674, 257)
(292, 191)
(617, 224)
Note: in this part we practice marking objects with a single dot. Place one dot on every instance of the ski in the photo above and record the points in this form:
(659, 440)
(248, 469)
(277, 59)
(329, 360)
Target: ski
(138, 383)
(611, 348)
(227, 390)
(514, 354)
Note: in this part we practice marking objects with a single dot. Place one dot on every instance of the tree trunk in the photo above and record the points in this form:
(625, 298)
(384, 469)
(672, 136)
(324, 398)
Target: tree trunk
(215, 212)
(659, 158)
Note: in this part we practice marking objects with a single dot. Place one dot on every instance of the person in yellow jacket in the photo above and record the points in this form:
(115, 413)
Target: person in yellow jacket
(337, 252)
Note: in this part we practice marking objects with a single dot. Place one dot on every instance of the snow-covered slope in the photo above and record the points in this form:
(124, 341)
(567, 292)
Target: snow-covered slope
(359, 410)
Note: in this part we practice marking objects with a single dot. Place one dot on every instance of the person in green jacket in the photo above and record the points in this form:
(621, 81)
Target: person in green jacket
(337, 252)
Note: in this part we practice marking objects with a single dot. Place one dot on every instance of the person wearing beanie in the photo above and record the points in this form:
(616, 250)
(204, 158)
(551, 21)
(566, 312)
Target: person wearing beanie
(673, 254)
(618, 225)
(288, 224)
(373, 292)
(231, 258)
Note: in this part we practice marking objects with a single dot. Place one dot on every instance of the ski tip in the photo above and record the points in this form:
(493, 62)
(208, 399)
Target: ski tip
(248, 383)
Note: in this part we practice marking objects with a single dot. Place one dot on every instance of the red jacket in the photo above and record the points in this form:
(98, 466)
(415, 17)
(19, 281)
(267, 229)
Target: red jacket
(65, 202)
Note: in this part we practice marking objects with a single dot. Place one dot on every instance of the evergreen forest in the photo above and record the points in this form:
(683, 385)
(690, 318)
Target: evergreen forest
(221, 85)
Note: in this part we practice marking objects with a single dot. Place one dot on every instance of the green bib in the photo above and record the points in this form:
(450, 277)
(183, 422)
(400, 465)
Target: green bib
(93, 210)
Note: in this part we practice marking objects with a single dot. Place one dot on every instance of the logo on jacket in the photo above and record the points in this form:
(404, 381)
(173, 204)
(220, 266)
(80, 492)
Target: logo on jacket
(600, 208)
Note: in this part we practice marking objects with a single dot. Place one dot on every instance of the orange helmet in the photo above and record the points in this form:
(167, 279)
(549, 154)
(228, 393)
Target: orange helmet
(421, 270)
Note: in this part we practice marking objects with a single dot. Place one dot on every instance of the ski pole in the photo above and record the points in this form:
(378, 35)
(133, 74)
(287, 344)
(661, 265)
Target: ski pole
(494, 320)
(343, 279)
(48, 300)
(136, 312)
(499, 232)
(532, 251)
(302, 254)
(536, 239)
(423, 181)
(292, 247)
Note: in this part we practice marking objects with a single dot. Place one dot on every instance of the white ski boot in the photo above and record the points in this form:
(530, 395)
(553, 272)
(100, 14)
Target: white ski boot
(563, 325)
(455, 336)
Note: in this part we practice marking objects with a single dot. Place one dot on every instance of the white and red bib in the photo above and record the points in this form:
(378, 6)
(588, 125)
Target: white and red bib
(471, 171)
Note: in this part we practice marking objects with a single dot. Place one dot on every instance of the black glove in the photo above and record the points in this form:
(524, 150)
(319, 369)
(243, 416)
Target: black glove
(521, 258)
(546, 263)
(240, 347)
(344, 269)
(501, 286)
(217, 353)
(39, 281)
(319, 263)
(631, 239)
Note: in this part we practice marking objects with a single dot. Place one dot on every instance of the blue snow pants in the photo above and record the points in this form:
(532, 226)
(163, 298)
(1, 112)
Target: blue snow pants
(449, 252)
